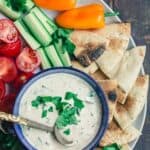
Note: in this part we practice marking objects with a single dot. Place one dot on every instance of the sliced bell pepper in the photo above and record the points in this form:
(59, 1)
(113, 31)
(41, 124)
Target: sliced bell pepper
(85, 17)
(56, 4)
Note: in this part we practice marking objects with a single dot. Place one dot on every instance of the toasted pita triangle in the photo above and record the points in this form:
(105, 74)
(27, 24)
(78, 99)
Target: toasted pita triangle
(99, 75)
(137, 96)
(118, 35)
(85, 38)
(109, 86)
(115, 30)
(109, 62)
(115, 134)
(130, 68)
(122, 116)
(123, 147)
(113, 38)
(89, 70)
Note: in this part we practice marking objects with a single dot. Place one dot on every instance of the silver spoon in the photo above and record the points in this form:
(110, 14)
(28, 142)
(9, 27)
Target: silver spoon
(33, 124)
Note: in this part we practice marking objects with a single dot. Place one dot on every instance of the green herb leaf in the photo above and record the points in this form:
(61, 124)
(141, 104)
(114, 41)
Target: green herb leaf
(69, 46)
(57, 101)
(35, 103)
(50, 109)
(67, 117)
(70, 95)
(64, 33)
(78, 103)
(112, 147)
(44, 114)
(17, 5)
(45, 99)
(67, 132)
(111, 14)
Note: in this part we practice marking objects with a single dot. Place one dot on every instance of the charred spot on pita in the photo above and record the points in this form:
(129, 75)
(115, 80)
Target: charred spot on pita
(95, 53)
(84, 60)
(91, 53)
(112, 95)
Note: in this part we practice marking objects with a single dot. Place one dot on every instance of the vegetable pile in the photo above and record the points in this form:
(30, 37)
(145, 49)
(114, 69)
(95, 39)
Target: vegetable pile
(14, 63)
(33, 39)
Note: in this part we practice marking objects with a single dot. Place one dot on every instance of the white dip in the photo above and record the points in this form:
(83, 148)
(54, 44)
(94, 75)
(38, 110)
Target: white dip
(57, 85)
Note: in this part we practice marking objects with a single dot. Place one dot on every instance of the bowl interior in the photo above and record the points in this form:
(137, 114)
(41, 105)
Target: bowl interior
(75, 72)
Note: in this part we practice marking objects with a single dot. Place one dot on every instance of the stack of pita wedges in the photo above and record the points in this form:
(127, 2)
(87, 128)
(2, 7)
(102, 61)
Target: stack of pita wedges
(105, 56)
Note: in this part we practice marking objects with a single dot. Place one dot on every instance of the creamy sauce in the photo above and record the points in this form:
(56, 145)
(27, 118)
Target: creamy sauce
(57, 85)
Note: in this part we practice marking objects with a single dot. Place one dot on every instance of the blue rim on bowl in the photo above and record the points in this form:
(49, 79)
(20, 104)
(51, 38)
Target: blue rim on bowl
(88, 79)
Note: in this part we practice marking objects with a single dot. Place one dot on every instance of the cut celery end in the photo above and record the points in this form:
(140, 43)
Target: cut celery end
(33, 43)
(53, 56)
(37, 29)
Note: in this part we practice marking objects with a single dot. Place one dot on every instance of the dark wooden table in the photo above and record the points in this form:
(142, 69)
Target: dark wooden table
(138, 13)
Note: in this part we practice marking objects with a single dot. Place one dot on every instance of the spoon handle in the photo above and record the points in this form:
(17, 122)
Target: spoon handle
(25, 122)
(11, 118)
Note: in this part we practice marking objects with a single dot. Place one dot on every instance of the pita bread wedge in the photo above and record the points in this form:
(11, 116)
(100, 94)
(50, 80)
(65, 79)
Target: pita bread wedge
(122, 116)
(110, 87)
(125, 147)
(118, 35)
(114, 134)
(137, 96)
(115, 30)
(91, 44)
(89, 70)
(99, 75)
(129, 69)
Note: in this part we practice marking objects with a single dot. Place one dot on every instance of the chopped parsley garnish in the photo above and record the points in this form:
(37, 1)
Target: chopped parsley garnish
(111, 14)
(44, 113)
(50, 109)
(67, 132)
(67, 113)
(112, 147)
(67, 117)
(57, 102)
(77, 102)
(69, 95)
(35, 103)
(61, 39)
(17, 5)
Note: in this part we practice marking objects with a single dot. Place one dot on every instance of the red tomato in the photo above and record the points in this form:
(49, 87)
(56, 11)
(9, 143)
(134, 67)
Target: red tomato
(10, 49)
(22, 79)
(8, 31)
(8, 70)
(7, 103)
(28, 60)
(2, 89)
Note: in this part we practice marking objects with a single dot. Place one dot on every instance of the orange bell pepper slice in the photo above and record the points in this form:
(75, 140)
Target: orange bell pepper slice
(85, 17)
(56, 4)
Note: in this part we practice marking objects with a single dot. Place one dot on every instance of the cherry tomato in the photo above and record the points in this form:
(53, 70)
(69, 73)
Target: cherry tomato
(7, 103)
(8, 31)
(21, 80)
(8, 70)
(28, 60)
(10, 49)
(2, 89)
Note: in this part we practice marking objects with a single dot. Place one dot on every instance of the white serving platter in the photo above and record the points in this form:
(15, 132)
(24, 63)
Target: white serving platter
(139, 123)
